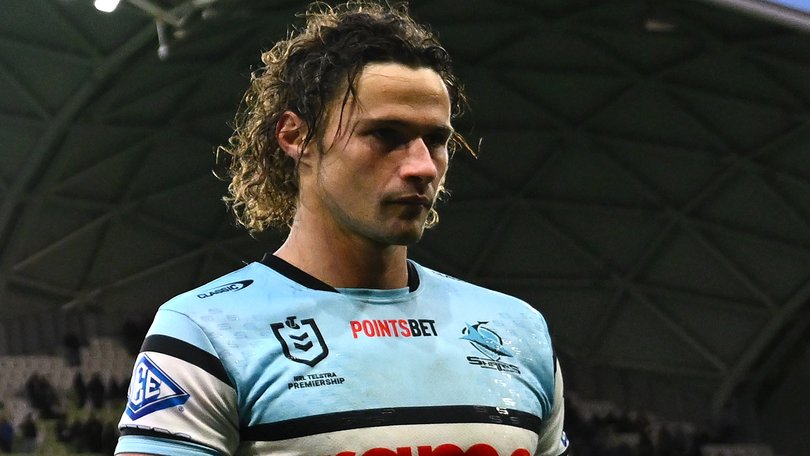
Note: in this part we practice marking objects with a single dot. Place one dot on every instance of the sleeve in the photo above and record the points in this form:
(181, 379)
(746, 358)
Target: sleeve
(553, 441)
(181, 400)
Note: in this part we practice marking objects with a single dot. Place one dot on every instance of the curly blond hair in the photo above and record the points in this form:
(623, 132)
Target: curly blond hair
(302, 74)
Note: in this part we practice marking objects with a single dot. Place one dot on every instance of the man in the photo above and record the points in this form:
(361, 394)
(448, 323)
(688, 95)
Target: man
(337, 344)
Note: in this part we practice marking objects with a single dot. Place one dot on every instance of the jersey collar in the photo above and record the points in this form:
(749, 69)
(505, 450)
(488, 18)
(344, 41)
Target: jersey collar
(297, 275)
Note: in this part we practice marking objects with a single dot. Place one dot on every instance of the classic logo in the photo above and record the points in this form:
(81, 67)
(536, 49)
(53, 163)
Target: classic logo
(151, 390)
(233, 286)
(302, 343)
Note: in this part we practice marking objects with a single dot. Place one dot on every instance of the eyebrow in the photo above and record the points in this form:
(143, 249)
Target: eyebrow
(441, 129)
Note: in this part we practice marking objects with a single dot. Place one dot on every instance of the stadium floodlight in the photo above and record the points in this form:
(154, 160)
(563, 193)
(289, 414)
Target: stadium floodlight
(107, 6)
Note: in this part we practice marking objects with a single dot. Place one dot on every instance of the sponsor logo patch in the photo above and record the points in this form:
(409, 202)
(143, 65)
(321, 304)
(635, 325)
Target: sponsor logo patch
(233, 286)
(447, 449)
(151, 390)
(393, 328)
(301, 342)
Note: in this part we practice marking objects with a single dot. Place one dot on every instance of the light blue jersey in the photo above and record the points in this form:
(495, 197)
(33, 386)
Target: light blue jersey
(271, 361)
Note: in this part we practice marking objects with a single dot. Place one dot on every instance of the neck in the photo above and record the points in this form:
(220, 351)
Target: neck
(344, 261)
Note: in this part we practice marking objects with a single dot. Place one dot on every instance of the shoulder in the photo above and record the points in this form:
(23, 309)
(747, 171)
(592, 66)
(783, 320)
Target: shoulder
(231, 287)
(437, 281)
(432, 278)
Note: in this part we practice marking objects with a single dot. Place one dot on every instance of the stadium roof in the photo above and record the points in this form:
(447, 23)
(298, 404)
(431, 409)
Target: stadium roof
(643, 176)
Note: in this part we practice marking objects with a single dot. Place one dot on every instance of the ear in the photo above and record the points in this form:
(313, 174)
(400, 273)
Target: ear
(291, 130)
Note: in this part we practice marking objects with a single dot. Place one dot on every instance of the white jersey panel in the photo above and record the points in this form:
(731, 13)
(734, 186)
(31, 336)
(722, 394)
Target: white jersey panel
(553, 440)
(210, 418)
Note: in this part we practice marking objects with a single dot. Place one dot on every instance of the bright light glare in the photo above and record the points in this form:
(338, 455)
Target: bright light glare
(108, 6)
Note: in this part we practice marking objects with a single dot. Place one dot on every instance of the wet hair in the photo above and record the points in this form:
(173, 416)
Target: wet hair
(303, 74)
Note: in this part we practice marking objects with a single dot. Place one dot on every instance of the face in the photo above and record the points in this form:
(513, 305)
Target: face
(383, 156)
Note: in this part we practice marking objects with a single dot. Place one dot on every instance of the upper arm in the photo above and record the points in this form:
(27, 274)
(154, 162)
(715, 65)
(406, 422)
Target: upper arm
(181, 400)
(552, 440)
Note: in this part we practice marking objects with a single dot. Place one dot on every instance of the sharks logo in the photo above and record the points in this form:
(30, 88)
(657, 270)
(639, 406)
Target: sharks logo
(485, 340)
(301, 342)
(489, 344)
(151, 390)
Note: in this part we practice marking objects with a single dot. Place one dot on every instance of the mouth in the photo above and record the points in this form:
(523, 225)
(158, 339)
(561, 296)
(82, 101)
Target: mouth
(415, 200)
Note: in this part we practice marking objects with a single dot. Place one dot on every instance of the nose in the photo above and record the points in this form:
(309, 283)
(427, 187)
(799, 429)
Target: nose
(420, 164)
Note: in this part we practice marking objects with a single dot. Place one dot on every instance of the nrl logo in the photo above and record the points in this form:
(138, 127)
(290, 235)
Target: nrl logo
(301, 342)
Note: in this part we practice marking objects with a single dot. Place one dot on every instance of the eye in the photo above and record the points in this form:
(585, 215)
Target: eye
(389, 137)
(436, 141)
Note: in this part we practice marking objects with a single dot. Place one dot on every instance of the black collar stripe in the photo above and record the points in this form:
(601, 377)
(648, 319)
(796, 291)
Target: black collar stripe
(296, 275)
(413, 277)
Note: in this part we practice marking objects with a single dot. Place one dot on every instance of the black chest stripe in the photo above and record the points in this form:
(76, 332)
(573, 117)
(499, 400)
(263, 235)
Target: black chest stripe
(188, 353)
(358, 419)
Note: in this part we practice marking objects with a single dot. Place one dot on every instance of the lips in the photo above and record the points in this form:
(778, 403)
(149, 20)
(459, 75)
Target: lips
(415, 200)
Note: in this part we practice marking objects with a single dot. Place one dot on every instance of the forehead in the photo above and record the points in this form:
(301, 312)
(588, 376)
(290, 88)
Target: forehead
(392, 89)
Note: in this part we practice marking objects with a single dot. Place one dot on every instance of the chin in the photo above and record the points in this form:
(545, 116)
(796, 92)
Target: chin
(409, 240)
(404, 236)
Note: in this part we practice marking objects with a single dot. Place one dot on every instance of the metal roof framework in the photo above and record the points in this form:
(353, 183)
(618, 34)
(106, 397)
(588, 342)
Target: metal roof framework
(643, 177)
